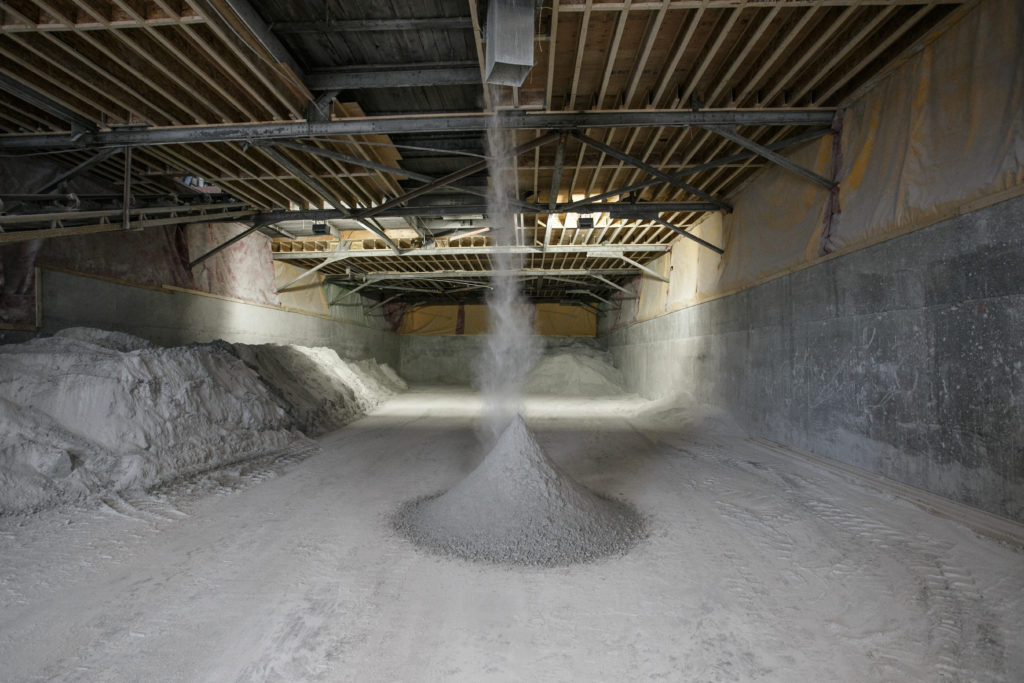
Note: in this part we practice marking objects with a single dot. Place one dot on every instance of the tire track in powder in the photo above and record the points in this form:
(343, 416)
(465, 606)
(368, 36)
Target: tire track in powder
(961, 630)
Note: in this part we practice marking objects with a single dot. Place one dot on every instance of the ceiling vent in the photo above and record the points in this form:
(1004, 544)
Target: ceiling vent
(509, 41)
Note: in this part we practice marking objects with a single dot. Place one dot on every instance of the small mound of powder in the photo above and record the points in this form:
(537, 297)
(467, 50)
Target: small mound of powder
(517, 507)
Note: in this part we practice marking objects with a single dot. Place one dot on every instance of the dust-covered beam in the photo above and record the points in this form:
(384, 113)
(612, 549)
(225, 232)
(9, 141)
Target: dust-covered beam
(691, 236)
(521, 272)
(327, 195)
(650, 170)
(774, 157)
(259, 28)
(619, 210)
(395, 76)
(699, 168)
(612, 250)
(372, 25)
(418, 123)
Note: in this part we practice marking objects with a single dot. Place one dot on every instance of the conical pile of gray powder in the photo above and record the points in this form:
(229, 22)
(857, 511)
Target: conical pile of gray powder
(518, 507)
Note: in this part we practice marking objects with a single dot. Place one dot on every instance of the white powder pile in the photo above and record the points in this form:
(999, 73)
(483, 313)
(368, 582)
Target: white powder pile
(88, 412)
(518, 507)
(575, 371)
(317, 388)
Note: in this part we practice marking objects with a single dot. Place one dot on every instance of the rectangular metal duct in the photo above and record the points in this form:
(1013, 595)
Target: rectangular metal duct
(509, 41)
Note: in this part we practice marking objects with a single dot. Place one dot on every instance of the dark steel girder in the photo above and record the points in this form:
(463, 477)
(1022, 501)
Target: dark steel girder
(223, 245)
(367, 25)
(356, 161)
(770, 155)
(689, 235)
(623, 210)
(462, 274)
(693, 170)
(452, 177)
(434, 123)
(395, 76)
(254, 22)
(326, 194)
(650, 170)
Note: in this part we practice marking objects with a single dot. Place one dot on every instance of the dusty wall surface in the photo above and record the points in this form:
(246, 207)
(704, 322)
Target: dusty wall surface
(905, 358)
(139, 282)
(452, 359)
(439, 359)
(155, 256)
(882, 329)
(174, 317)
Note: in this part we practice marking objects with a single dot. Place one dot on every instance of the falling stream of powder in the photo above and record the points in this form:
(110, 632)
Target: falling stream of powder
(517, 506)
(511, 347)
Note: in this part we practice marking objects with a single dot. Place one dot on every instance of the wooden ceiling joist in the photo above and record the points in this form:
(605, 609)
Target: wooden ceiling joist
(673, 104)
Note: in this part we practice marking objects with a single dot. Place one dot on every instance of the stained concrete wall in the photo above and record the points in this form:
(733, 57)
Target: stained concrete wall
(452, 359)
(905, 359)
(174, 317)
(439, 359)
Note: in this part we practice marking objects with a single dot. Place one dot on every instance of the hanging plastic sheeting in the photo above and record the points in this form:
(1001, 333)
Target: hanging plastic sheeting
(940, 134)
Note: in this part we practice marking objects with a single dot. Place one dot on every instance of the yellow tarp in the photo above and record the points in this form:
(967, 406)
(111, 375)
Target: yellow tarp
(548, 320)
(942, 133)
(305, 295)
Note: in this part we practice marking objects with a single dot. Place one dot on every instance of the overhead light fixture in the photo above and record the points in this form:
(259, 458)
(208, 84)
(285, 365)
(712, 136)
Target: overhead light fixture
(509, 41)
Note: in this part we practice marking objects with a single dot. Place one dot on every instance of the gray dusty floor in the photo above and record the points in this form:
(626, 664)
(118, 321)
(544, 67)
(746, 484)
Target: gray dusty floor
(759, 566)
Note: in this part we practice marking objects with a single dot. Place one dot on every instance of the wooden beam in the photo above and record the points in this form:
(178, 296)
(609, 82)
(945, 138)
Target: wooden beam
(806, 55)
(613, 52)
(670, 70)
(741, 58)
(723, 33)
(215, 12)
(254, 22)
(581, 44)
(851, 73)
(645, 53)
(549, 82)
(59, 110)
(777, 51)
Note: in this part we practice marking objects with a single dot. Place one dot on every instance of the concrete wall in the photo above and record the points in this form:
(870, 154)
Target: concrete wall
(905, 359)
(439, 359)
(452, 359)
(173, 317)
